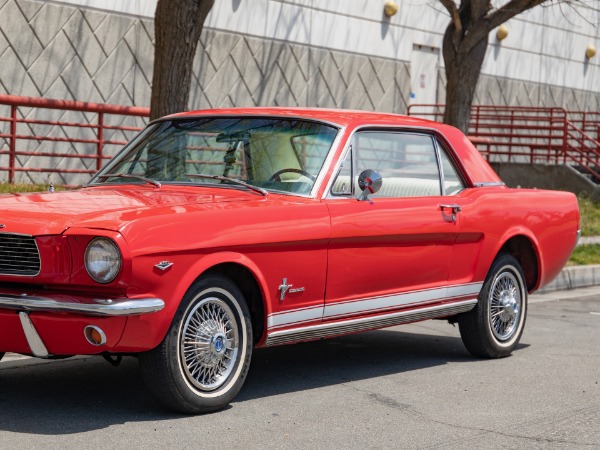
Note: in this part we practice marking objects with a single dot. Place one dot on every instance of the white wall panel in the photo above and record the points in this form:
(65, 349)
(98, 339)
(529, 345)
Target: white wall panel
(508, 63)
(545, 44)
(141, 8)
(553, 71)
(426, 16)
(344, 33)
(527, 37)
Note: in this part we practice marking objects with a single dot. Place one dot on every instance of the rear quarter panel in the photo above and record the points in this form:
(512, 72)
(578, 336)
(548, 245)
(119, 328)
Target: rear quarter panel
(491, 216)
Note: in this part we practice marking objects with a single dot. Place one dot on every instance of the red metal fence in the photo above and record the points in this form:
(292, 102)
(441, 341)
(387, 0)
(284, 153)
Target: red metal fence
(530, 134)
(68, 138)
(81, 132)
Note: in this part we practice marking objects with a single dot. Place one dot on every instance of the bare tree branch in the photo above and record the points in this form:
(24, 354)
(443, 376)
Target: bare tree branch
(497, 17)
(453, 10)
(464, 52)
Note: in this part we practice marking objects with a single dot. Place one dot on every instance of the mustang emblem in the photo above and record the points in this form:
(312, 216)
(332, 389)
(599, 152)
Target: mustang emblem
(285, 288)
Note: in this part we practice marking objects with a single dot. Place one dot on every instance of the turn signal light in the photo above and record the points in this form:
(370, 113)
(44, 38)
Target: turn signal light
(94, 335)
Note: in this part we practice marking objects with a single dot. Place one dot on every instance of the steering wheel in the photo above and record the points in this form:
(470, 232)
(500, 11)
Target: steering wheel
(276, 175)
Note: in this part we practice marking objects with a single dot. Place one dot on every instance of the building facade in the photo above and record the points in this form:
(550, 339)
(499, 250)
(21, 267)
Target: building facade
(295, 52)
(319, 53)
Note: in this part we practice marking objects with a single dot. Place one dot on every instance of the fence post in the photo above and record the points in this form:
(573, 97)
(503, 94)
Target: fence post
(100, 140)
(510, 138)
(565, 136)
(12, 144)
(552, 157)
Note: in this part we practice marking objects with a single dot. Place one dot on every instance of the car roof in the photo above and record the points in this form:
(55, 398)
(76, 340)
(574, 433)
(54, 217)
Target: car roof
(342, 117)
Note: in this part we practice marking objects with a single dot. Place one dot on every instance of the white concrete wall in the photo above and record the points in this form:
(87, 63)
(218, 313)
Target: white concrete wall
(545, 45)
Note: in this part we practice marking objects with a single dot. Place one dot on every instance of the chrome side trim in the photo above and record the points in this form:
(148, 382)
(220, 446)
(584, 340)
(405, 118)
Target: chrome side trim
(489, 184)
(277, 320)
(463, 289)
(367, 323)
(100, 307)
(34, 340)
(371, 305)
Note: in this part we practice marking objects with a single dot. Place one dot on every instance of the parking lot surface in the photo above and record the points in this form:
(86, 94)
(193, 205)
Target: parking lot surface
(413, 386)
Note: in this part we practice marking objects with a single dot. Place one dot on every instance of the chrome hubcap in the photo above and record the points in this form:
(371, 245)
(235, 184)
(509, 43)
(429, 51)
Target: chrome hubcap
(209, 344)
(505, 306)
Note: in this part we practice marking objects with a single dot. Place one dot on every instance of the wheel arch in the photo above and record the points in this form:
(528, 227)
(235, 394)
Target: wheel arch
(525, 251)
(246, 281)
(244, 273)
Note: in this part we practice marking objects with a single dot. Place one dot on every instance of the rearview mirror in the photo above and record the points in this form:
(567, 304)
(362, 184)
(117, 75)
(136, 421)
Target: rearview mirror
(369, 182)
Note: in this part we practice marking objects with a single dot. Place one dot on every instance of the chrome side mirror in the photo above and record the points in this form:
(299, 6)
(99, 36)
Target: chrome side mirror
(369, 182)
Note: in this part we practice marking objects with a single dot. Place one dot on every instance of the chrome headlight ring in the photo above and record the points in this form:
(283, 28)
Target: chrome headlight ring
(102, 260)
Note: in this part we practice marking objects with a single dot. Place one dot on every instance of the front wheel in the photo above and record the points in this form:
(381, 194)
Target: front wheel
(203, 361)
(493, 328)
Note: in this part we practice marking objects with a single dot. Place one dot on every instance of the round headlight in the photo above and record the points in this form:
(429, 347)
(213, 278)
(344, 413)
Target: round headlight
(102, 260)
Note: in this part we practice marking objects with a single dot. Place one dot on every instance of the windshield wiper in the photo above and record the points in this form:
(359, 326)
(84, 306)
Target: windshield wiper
(129, 175)
(230, 180)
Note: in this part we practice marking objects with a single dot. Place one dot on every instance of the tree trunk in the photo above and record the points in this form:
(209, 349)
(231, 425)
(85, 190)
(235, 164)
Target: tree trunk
(462, 73)
(465, 44)
(177, 24)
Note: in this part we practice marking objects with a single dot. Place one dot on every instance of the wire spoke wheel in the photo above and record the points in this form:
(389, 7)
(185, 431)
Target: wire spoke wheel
(505, 306)
(493, 328)
(204, 359)
(209, 344)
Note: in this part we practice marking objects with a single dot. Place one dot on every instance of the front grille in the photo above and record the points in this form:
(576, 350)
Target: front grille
(19, 255)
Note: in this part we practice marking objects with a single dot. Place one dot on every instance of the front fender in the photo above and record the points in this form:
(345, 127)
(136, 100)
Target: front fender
(147, 331)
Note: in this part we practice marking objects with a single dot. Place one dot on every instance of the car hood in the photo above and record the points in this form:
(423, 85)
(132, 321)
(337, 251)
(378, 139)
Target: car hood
(105, 208)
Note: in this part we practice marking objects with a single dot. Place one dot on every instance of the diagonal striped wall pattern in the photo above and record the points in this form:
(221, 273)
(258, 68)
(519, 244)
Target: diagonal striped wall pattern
(64, 52)
(52, 51)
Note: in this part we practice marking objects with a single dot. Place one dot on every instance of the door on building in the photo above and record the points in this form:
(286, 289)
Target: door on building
(424, 64)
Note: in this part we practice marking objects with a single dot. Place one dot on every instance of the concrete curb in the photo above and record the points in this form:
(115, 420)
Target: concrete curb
(573, 277)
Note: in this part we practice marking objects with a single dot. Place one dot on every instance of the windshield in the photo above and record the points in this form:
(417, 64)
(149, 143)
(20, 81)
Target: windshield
(270, 153)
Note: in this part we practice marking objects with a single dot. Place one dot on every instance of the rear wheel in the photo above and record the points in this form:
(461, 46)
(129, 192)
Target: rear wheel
(203, 361)
(493, 328)
(1, 356)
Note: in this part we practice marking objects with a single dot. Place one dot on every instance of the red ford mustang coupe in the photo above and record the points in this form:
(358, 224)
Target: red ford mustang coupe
(215, 232)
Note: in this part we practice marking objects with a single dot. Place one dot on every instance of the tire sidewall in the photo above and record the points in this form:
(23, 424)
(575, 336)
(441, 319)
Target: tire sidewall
(504, 264)
(216, 287)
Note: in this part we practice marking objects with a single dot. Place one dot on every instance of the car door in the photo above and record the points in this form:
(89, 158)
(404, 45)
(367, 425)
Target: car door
(393, 250)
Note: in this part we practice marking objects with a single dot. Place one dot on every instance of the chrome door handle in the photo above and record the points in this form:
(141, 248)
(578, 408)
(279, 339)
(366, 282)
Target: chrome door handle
(455, 208)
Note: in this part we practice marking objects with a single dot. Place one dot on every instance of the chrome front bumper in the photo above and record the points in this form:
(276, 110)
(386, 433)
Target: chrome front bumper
(64, 304)
(95, 307)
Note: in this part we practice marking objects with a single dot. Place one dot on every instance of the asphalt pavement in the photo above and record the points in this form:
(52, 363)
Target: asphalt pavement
(412, 386)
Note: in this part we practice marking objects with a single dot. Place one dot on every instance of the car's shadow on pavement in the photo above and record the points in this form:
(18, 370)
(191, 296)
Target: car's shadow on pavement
(279, 370)
(82, 394)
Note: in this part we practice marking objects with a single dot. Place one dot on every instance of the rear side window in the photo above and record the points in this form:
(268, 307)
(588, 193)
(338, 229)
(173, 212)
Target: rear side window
(412, 164)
